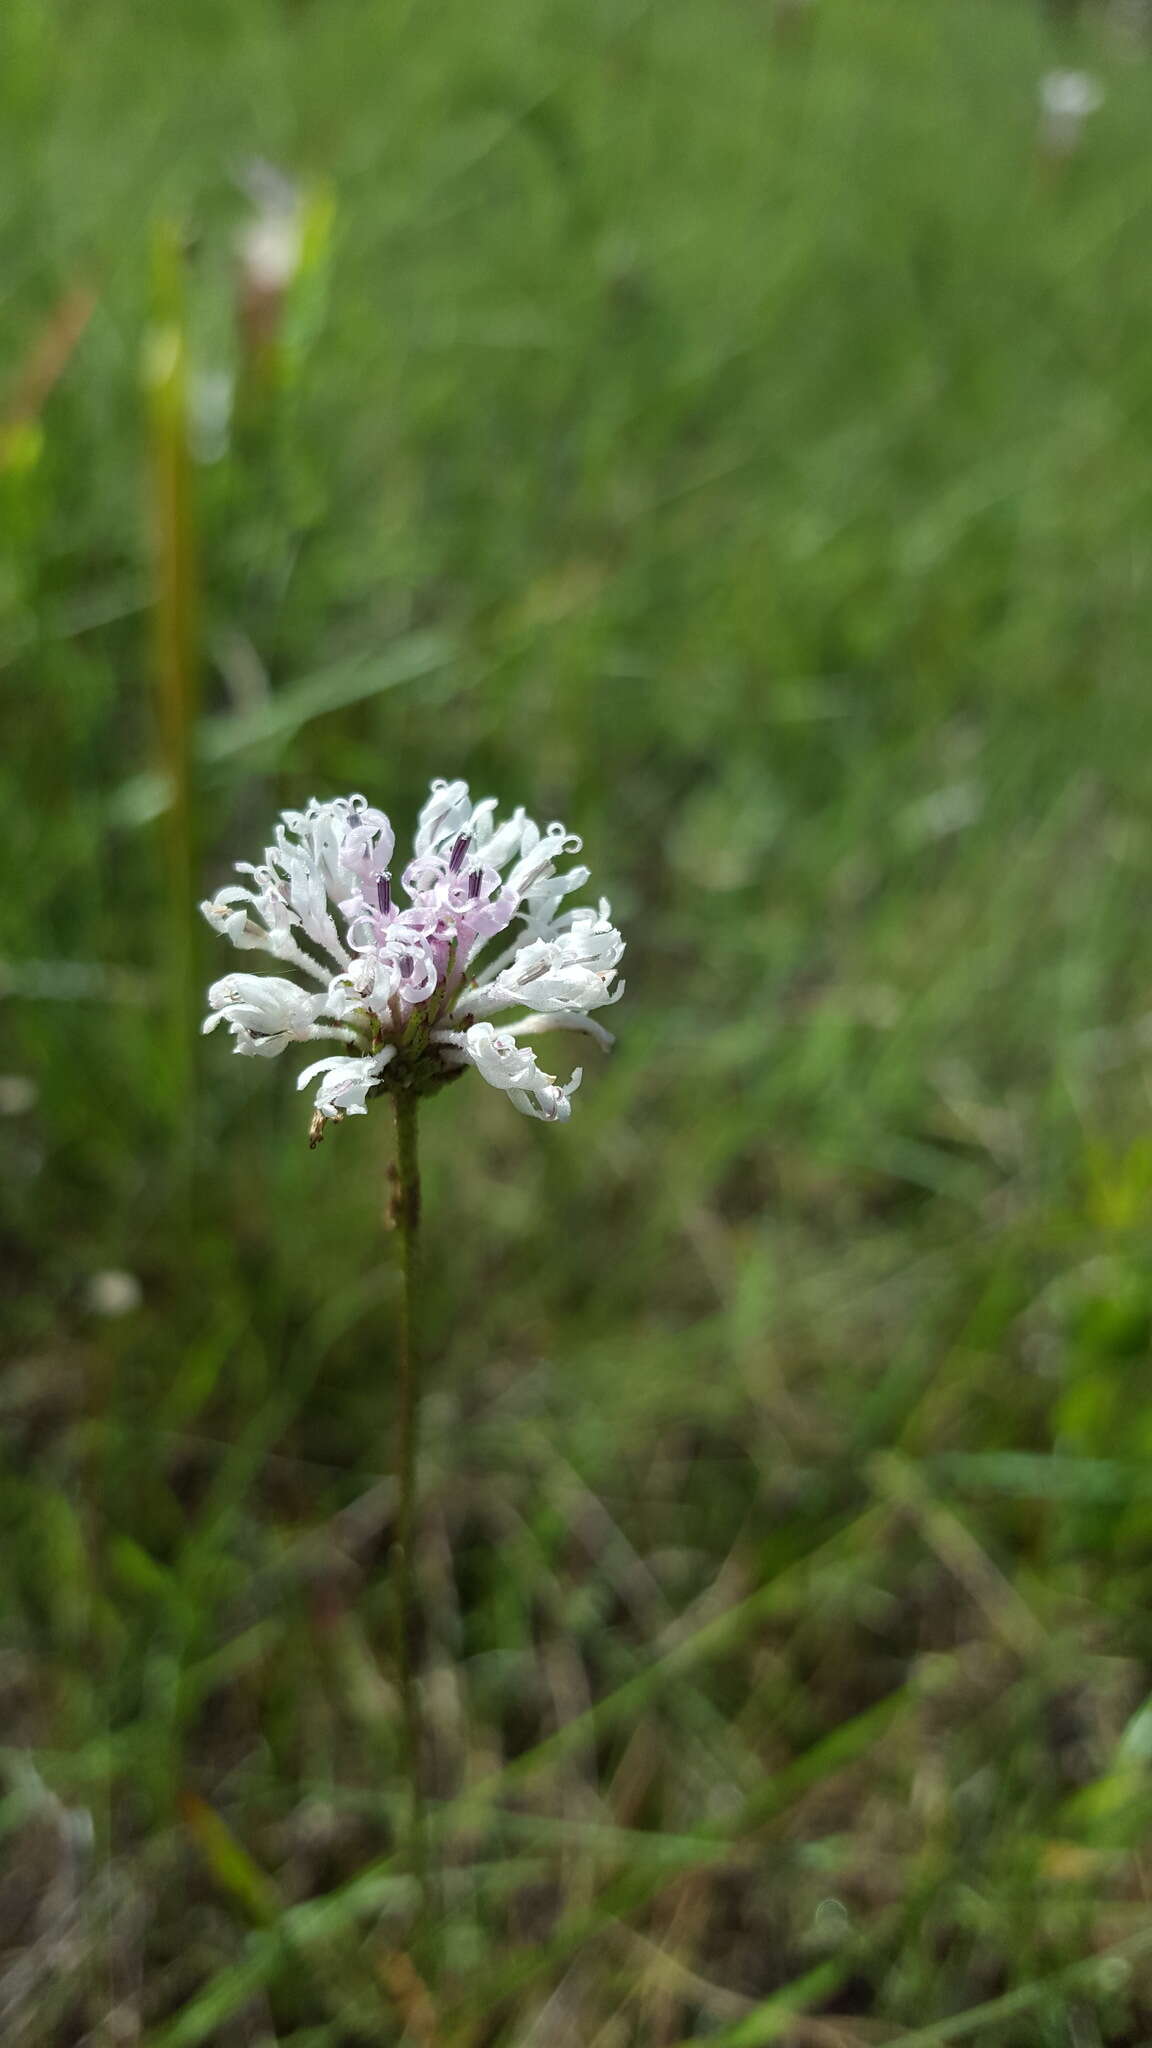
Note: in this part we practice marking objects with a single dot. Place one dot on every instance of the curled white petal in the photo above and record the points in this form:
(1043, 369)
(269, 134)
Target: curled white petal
(571, 973)
(226, 914)
(444, 816)
(552, 1104)
(344, 1089)
(370, 983)
(536, 1024)
(263, 1012)
(343, 840)
(298, 879)
(503, 1063)
(507, 840)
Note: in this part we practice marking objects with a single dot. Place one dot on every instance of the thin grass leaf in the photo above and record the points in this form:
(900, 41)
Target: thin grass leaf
(635, 1695)
(144, 798)
(633, 1889)
(175, 558)
(771, 2020)
(237, 1873)
(1106, 1973)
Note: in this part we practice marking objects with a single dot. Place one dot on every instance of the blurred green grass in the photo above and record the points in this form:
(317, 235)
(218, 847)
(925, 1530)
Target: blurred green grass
(740, 448)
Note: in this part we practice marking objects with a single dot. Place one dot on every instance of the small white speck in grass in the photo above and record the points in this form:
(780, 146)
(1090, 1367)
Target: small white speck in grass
(114, 1293)
(831, 1921)
(1067, 98)
(18, 1094)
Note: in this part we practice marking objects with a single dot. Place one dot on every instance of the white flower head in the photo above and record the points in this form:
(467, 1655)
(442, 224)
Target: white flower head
(1071, 92)
(270, 245)
(1067, 98)
(404, 972)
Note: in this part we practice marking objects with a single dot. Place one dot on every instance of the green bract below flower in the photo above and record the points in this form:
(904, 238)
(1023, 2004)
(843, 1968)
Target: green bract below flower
(416, 989)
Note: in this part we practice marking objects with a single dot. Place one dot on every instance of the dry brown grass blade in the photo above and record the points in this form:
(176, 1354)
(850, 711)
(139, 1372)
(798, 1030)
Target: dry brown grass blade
(47, 359)
(410, 1995)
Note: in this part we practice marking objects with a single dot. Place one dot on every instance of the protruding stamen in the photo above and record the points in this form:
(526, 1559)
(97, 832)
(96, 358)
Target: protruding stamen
(537, 874)
(384, 893)
(456, 857)
(474, 881)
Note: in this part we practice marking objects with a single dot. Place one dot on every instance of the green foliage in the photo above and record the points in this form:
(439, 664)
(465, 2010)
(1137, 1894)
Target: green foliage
(736, 443)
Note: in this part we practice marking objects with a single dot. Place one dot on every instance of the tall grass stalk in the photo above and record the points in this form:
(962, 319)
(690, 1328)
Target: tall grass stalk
(176, 607)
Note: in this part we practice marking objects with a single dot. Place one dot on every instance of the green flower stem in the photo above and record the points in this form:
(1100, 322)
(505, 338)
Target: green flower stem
(406, 1210)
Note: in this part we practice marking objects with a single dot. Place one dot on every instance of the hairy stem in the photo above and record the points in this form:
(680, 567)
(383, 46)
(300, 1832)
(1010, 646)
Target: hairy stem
(407, 1214)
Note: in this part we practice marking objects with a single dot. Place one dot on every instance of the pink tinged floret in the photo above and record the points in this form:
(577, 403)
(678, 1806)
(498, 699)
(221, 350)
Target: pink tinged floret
(367, 848)
(445, 814)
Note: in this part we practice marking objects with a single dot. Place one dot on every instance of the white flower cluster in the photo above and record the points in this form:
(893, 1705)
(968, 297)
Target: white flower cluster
(405, 985)
(1067, 99)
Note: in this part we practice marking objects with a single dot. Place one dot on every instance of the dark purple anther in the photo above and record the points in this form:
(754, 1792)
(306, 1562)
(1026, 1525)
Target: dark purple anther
(384, 892)
(456, 857)
(406, 964)
(474, 881)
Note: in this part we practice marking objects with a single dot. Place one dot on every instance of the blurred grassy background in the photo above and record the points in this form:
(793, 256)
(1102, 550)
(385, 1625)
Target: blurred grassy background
(736, 442)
